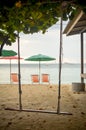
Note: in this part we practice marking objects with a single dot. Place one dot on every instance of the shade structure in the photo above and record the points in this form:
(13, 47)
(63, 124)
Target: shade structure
(6, 53)
(10, 58)
(39, 58)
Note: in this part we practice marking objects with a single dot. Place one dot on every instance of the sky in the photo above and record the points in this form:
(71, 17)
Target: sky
(49, 44)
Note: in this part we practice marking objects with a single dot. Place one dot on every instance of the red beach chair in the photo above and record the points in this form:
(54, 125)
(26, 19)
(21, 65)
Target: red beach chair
(45, 78)
(14, 77)
(35, 78)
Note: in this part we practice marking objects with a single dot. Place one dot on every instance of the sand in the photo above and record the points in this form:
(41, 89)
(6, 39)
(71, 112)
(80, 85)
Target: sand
(42, 97)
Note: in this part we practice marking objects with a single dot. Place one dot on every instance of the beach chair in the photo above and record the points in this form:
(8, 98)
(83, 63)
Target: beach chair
(35, 78)
(14, 77)
(45, 78)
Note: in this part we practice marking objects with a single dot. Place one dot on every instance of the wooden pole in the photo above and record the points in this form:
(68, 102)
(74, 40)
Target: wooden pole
(82, 57)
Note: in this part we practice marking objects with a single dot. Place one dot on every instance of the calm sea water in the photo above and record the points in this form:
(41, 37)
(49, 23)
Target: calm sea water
(70, 72)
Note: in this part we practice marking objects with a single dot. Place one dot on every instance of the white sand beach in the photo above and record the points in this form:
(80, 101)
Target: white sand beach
(42, 97)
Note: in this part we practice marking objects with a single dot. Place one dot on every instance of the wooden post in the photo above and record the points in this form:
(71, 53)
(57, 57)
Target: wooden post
(82, 57)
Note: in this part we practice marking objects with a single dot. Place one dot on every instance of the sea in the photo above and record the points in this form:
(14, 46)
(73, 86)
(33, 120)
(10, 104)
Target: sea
(69, 72)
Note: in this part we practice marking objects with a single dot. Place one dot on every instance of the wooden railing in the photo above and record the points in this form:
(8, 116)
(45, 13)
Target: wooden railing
(83, 75)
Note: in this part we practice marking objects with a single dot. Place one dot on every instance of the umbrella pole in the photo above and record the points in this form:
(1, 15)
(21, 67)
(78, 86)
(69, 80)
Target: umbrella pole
(39, 72)
(19, 76)
(10, 71)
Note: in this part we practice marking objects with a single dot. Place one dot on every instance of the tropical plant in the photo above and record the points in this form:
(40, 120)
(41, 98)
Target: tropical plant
(32, 16)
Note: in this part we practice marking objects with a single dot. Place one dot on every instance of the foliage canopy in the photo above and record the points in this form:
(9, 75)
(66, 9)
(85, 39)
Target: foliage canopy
(30, 16)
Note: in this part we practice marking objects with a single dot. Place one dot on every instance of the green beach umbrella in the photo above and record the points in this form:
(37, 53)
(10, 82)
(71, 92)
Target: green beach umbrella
(10, 58)
(40, 58)
(8, 53)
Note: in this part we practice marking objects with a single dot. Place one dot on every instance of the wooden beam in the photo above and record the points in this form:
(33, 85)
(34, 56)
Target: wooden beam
(74, 23)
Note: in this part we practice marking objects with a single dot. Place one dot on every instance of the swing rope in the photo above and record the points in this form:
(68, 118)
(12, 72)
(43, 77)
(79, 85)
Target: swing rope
(60, 67)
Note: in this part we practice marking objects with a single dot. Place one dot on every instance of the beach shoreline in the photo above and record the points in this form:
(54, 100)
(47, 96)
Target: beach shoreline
(42, 97)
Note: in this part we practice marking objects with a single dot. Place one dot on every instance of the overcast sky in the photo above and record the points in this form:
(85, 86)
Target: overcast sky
(48, 44)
